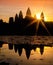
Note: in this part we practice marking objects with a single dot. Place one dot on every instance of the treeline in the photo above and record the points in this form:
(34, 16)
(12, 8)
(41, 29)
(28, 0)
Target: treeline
(25, 26)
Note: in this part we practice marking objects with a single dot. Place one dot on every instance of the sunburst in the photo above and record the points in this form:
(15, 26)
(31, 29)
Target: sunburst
(37, 26)
(38, 16)
(31, 23)
(45, 27)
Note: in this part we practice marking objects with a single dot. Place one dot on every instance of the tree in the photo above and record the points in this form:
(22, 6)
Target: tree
(16, 18)
(28, 13)
(1, 21)
(42, 16)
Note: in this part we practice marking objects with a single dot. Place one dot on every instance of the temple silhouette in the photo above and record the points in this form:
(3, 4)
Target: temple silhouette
(27, 25)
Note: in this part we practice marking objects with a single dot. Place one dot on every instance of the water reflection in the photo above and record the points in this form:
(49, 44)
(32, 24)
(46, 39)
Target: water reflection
(27, 47)
(1, 43)
(19, 50)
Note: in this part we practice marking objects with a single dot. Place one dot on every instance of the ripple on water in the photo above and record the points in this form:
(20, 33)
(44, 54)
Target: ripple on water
(41, 59)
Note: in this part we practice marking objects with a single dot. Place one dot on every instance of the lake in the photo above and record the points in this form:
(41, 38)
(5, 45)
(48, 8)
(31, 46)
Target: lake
(26, 50)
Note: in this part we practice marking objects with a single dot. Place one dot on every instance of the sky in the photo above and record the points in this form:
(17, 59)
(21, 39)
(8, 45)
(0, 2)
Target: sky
(8, 8)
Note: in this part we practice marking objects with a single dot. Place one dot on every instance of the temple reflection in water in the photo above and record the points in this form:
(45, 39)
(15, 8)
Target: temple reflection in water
(27, 47)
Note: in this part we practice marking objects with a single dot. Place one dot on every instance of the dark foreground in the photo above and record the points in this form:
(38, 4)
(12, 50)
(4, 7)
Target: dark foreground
(27, 26)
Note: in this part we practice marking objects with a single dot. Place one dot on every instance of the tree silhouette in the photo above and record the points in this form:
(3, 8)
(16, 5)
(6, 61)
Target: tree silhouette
(1, 21)
(28, 13)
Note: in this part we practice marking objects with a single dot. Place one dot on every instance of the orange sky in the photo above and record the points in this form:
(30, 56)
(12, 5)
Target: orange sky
(11, 7)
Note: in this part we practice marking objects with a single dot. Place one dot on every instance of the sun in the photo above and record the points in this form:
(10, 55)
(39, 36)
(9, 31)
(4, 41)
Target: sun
(38, 16)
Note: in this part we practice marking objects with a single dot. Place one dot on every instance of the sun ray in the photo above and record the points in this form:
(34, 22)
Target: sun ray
(31, 23)
(45, 27)
(37, 26)
(38, 16)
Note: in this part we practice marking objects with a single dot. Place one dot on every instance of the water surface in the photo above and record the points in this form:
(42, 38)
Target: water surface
(30, 50)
